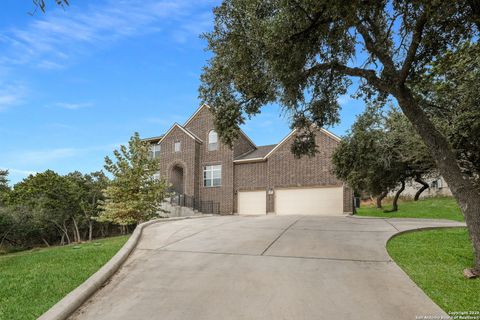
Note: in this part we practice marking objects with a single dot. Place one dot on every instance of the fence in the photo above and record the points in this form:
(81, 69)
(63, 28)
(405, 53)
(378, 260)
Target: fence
(196, 204)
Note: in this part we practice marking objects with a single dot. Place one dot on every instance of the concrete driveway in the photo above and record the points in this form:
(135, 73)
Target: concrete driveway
(268, 267)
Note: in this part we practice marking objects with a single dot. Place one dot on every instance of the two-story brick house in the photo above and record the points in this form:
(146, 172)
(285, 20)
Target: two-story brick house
(249, 179)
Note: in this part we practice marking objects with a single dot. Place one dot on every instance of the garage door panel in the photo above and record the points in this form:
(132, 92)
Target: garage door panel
(252, 202)
(309, 201)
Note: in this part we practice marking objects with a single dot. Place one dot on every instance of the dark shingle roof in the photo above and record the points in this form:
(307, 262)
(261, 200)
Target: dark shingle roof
(260, 152)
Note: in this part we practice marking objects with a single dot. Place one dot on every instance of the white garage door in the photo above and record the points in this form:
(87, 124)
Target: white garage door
(312, 201)
(252, 202)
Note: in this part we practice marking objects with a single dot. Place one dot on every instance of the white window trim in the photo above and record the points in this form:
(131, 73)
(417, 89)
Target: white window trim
(175, 146)
(154, 148)
(210, 169)
(212, 146)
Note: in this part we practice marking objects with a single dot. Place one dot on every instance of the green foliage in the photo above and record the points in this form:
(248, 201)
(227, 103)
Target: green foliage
(4, 188)
(434, 260)
(88, 190)
(47, 201)
(450, 92)
(380, 151)
(428, 208)
(47, 208)
(134, 194)
(301, 54)
(33, 281)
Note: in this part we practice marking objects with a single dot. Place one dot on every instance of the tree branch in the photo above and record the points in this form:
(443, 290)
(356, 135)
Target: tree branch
(367, 74)
(412, 50)
(371, 46)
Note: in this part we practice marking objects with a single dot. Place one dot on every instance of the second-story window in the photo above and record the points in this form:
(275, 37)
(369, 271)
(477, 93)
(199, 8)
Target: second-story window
(155, 151)
(212, 140)
(177, 146)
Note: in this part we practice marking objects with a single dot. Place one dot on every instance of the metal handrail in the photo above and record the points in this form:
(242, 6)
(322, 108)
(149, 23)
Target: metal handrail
(203, 206)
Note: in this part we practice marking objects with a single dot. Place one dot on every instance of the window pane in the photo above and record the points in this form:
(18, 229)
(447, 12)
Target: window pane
(177, 146)
(212, 176)
(212, 137)
(212, 140)
(212, 146)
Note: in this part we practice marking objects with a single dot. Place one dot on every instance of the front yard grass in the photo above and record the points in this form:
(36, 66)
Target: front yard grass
(33, 281)
(429, 208)
(434, 260)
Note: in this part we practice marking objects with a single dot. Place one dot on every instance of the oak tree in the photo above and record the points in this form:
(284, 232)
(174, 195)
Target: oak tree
(304, 54)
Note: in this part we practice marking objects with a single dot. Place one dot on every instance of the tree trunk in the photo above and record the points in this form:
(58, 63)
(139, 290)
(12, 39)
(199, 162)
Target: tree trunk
(76, 232)
(380, 198)
(424, 187)
(462, 188)
(46, 242)
(395, 199)
(65, 230)
(5, 235)
(90, 230)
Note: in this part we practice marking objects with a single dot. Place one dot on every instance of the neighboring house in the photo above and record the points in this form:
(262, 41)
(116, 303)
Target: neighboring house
(249, 179)
(438, 187)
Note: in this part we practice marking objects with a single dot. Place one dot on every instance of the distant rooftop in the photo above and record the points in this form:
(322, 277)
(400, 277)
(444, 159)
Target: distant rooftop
(153, 139)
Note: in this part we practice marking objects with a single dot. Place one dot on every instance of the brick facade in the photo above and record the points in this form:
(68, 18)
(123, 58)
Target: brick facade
(279, 169)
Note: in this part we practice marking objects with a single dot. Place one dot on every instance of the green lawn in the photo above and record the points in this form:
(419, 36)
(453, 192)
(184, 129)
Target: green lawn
(33, 281)
(430, 208)
(434, 260)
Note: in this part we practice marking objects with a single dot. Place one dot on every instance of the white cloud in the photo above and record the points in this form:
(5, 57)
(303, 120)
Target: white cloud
(20, 171)
(17, 175)
(10, 96)
(46, 156)
(344, 100)
(42, 157)
(50, 40)
(73, 106)
(49, 65)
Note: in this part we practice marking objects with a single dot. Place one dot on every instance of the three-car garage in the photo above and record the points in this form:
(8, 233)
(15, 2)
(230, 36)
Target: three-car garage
(326, 201)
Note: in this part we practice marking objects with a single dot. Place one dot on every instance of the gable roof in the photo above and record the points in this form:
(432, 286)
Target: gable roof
(263, 152)
(195, 113)
(256, 154)
(248, 138)
(208, 107)
(187, 132)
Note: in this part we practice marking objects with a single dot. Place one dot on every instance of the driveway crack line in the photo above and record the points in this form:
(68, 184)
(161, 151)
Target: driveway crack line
(391, 224)
(194, 234)
(278, 237)
(274, 256)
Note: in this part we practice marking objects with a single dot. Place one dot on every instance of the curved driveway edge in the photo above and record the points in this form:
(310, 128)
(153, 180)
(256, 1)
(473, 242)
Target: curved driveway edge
(262, 268)
(72, 301)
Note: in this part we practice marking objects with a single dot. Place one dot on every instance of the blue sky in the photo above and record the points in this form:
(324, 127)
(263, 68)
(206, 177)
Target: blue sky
(76, 83)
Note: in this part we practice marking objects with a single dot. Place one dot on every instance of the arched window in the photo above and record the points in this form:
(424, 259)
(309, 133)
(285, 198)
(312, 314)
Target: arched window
(212, 140)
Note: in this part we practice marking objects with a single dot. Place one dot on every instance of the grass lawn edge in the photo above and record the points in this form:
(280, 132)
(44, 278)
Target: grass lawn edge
(437, 292)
